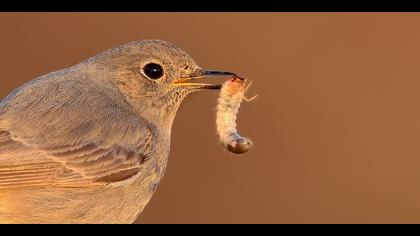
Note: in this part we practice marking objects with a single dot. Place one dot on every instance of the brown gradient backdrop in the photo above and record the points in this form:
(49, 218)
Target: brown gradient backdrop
(336, 125)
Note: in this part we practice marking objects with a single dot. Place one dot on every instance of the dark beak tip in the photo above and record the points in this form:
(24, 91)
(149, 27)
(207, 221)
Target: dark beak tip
(211, 73)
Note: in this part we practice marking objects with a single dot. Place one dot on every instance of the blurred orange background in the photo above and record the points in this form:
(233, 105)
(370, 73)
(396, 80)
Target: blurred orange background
(336, 125)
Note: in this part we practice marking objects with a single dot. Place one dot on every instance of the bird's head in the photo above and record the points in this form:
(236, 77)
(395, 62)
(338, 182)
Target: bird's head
(154, 76)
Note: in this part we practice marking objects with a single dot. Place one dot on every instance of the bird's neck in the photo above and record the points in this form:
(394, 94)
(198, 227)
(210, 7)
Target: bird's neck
(162, 116)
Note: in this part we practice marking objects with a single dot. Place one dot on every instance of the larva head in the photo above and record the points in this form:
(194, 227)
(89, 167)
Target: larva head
(234, 86)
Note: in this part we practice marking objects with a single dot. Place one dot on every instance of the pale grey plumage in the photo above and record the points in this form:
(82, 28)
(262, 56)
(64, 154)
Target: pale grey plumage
(90, 143)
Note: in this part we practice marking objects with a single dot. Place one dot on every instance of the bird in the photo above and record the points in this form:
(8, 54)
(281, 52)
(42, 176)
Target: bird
(90, 143)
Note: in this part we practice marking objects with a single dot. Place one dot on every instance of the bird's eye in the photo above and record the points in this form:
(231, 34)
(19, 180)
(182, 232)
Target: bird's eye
(153, 71)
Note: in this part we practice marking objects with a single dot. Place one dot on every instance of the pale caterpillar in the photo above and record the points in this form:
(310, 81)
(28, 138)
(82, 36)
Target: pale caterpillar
(230, 98)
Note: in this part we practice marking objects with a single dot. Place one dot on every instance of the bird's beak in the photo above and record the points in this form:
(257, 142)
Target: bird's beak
(190, 80)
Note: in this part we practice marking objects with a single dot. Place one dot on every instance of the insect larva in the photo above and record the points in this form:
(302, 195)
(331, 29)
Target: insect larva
(231, 96)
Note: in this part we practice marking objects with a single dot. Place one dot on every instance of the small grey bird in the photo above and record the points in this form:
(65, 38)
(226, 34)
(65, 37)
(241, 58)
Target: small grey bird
(90, 143)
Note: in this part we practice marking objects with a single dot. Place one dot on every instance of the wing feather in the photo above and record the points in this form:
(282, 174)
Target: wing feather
(77, 165)
(64, 131)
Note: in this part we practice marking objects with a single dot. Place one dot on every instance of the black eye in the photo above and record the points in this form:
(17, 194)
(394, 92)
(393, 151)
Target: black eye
(153, 70)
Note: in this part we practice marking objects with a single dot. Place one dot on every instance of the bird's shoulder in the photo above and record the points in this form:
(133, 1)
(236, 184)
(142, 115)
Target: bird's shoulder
(62, 131)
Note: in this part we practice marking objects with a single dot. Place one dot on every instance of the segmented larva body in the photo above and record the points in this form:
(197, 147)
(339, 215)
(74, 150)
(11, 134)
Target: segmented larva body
(231, 96)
